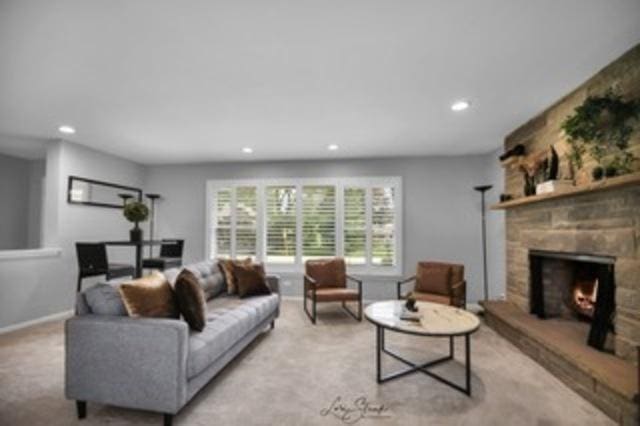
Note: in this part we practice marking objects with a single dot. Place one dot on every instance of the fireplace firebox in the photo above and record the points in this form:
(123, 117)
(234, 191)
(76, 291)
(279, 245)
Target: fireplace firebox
(574, 286)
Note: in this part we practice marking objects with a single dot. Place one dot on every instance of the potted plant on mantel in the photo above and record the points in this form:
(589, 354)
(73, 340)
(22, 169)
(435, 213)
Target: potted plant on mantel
(602, 127)
(136, 212)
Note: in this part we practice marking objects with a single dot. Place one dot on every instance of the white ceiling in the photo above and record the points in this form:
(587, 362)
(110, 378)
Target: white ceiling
(175, 81)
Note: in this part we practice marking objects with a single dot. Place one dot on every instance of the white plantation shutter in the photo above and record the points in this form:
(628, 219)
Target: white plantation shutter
(284, 222)
(383, 232)
(246, 221)
(355, 226)
(318, 221)
(222, 223)
(281, 219)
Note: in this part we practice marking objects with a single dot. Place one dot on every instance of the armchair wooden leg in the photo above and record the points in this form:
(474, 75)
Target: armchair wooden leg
(168, 419)
(81, 408)
(358, 316)
(314, 308)
(306, 310)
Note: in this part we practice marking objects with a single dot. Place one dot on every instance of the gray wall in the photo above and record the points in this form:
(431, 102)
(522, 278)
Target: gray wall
(441, 210)
(496, 238)
(441, 219)
(35, 287)
(20, 202)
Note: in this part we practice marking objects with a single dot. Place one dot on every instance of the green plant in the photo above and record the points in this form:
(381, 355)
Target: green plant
(602, 125)
(136, 211)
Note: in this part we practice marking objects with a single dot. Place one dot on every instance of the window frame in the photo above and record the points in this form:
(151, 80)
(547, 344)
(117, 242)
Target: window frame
(340, 184)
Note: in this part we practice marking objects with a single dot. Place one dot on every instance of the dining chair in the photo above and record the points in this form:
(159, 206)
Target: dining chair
(170, 256)
(93, 262)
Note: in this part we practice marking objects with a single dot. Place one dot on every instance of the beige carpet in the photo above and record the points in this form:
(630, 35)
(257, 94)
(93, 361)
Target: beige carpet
(291, 374)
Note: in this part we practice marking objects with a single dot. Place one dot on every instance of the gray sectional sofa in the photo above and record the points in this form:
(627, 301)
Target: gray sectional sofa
(158, 364)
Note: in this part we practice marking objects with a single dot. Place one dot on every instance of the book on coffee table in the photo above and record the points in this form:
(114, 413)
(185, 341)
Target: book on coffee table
(407, 315)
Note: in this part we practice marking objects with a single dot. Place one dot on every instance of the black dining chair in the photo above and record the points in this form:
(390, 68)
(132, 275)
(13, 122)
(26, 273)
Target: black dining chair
(93, 262)
(170, 256)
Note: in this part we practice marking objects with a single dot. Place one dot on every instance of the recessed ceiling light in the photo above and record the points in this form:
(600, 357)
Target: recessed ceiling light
(67, 130)
(247, 150)
(332, 147)
(460, 105)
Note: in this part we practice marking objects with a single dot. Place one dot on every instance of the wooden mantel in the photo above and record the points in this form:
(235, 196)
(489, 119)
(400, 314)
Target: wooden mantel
(602, 185)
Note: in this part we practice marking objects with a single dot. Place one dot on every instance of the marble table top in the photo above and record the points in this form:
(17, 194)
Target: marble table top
(435, 319)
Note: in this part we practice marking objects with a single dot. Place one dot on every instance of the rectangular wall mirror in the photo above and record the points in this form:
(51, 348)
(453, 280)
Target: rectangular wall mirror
(92, 192)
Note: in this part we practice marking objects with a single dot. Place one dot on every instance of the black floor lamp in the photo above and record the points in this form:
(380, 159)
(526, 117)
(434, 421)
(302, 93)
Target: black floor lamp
(152, 198)
(482, 189)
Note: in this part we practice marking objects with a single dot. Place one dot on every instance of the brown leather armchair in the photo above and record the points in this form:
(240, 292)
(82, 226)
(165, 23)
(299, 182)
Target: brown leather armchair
(437, 282)
(325, 280)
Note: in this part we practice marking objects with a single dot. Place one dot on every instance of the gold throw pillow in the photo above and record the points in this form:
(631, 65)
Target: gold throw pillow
(149, 296)
(251, 280)
(191, 300)
(227, 266)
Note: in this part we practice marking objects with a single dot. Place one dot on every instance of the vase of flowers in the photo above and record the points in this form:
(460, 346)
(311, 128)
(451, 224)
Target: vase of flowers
(136, 212)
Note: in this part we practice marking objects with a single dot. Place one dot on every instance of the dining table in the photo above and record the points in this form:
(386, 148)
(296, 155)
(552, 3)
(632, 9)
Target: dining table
(139, 245)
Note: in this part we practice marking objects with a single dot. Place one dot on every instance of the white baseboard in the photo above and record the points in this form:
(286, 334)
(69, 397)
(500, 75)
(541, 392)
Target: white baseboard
(475, 308)
(53, 317)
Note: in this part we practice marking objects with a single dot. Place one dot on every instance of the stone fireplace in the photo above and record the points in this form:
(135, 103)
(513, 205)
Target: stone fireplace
(573, 258)
(575, 287)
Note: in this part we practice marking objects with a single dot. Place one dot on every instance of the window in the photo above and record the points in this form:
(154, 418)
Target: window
(235, 222)
(281, 224)
(318, 221)
(355, 226)
(246, 221)
(285, 222)
(222, 241)
(382, 226)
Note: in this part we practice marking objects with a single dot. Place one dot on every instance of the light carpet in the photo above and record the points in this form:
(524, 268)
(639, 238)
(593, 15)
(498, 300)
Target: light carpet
(292, 374)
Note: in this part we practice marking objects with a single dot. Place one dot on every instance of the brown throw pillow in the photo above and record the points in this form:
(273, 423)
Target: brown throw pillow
(150, 296)
(251, 280)
(191, 300)
(433, 278)
(227, 266)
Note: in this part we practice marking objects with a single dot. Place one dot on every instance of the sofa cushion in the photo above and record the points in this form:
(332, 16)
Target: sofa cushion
(104, 299)
(191, 301)
(209, 276)
(228, 321)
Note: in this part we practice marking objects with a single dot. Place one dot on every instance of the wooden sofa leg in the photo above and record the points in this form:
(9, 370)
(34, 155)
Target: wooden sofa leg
(168, 419)
(81, 408)
(273, 324)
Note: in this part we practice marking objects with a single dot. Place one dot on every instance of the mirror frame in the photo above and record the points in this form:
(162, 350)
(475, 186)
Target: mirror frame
(98, 182)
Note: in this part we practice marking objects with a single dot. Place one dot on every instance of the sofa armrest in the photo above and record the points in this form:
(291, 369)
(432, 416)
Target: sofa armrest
(128, 362)
(273, 281)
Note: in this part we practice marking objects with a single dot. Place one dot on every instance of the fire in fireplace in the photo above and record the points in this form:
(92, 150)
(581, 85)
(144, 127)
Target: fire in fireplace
(574, 286)
(584, 296)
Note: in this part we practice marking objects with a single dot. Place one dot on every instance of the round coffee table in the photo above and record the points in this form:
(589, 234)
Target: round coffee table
(435, 320)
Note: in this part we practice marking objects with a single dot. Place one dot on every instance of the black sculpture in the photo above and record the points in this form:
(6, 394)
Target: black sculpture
(515, 151)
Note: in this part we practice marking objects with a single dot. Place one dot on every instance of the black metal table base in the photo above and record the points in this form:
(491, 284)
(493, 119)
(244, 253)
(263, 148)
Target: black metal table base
(423, 368)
